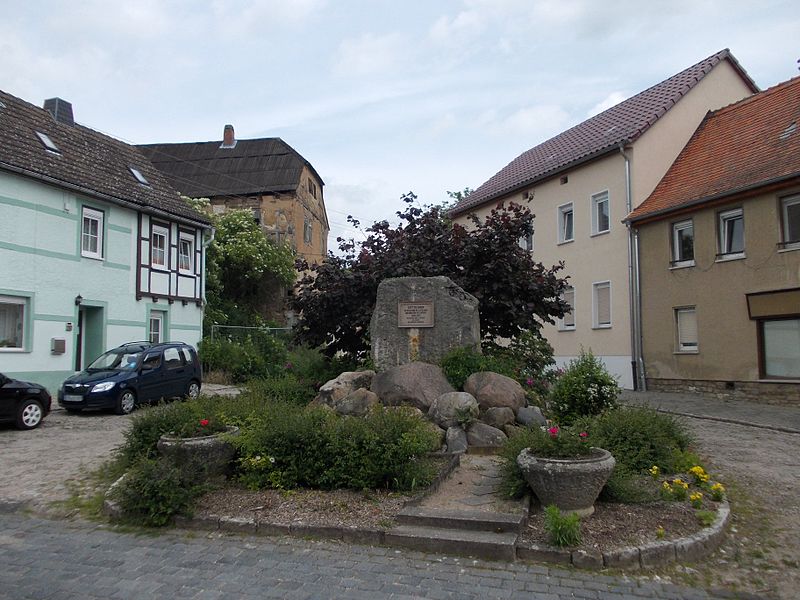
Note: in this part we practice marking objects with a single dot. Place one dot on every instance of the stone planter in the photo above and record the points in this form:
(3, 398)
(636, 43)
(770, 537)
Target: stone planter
(212, 453)
(572, 484)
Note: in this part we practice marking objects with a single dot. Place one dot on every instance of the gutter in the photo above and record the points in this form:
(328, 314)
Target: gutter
(634, 289)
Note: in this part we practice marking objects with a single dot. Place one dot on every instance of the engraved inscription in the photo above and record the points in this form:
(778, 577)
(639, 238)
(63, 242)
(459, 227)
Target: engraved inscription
(415, 314)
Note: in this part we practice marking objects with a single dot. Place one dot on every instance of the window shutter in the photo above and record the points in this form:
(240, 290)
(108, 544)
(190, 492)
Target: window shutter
(603, 303)
(687, 328)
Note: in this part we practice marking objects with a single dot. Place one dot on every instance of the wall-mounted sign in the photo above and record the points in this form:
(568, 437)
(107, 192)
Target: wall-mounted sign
(415, 314)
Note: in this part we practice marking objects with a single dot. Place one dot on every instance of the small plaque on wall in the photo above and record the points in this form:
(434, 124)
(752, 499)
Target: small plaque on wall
(415, 314)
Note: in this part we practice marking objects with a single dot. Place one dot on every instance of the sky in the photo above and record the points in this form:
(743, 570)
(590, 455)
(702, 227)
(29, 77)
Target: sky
(381, 97)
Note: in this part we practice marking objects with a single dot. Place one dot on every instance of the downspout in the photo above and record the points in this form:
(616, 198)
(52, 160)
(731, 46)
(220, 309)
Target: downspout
(206, 243)
(634, 295)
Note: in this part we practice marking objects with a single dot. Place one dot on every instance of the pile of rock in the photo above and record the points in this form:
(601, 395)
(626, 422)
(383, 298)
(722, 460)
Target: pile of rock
(483, 415)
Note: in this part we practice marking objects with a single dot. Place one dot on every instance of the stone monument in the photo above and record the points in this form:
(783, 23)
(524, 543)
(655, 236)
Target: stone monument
(421, 319)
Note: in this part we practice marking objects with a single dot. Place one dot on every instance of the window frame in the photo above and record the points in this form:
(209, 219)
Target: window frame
(724, 217)
(526, 242)
(596, 324)
(786, 243)
(562, 323)
(159, 317)
(677, 260)
(564, 210)
(188, 238)
(762, 353)
(93, 214)
(24, 303)
(680, 347)
(160, 231)
(595, 201)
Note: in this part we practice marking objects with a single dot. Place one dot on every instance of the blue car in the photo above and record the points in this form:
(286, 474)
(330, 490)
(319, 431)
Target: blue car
(132, 374)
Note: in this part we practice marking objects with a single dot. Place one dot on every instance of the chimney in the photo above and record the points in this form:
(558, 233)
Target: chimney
(228, 139)
(61, 110)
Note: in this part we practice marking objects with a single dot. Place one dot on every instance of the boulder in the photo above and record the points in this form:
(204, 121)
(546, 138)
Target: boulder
(481, 434)
(357, 404)
(493, 390)
(456, 439)
(440, 433)
(510, 429)
(498, 417)
(531, 415)
(454, 408)
(344, 385)
(415, 384)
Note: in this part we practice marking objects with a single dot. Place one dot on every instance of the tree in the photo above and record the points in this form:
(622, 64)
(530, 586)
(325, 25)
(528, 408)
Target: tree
(335, 301)
(244, 269)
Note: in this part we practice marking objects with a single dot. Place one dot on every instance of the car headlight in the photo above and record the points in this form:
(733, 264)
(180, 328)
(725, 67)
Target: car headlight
(103, 387)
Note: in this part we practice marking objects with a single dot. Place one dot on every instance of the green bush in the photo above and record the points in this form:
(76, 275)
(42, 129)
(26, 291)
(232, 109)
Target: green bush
(256, 355)
(563, 529)
(631, 488)
(512, 482)
(284, 388)
(149, 424)
(585, 388)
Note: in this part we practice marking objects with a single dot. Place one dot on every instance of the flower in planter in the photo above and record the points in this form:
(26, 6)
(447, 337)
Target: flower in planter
(696, 499)
(200, 428)
(699, 474)
(717, 492)
(557, 442)
(204, 422)
(680, 489)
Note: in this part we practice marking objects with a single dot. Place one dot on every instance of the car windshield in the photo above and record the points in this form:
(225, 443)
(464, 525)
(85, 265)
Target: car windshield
(116, 360)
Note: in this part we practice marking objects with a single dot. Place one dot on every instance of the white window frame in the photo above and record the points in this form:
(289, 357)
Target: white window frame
(722, 220)
(21, 301)
(563, 210)
(186, 238)
(785, 204)
(689, 347)
(563, 325)
(677, 260)
(596, 201)
(159, 231)
(596, 286)
(92, 214)
(159, 317)
(526, 242)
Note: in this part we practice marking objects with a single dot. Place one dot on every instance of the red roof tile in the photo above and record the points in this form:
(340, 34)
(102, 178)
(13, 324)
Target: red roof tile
(622, 123)
(743, 146)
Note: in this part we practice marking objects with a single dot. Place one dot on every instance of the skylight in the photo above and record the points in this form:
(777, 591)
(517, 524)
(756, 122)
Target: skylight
(138, 175)
(47, 142)
(789, 130)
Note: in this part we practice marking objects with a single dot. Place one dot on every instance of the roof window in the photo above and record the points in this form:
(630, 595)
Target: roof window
(138, 175)
(789, 130)
(47, 142)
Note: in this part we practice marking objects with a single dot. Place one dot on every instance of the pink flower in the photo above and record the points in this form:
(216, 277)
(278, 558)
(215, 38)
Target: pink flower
(553, 431)
(203, 422)
(583, 435)
(529, 382)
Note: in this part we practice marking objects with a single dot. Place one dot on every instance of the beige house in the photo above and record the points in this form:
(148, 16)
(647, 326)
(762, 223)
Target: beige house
(584, 181)
(720, 256)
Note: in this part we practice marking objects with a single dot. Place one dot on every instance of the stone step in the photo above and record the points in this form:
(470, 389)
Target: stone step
(465, 520)
(481, 544)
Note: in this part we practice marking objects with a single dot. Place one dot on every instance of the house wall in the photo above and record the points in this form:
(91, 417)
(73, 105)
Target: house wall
(727, 360)
(41, 262)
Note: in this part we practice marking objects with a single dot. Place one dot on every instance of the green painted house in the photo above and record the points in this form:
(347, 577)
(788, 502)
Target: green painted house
(96, 248)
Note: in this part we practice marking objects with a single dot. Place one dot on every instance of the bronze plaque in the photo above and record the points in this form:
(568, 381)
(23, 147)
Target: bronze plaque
(415, 314)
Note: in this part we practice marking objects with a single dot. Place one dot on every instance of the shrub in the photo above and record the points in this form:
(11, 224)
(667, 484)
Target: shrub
(585, 388)
(564, 530)
(151, 423)
(258, 354)
(512, 483)
(458, 364)
(625, 486)
(284, 388)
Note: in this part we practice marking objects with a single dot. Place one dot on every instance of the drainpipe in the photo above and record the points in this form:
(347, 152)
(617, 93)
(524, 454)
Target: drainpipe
(206, 243)
(634, 295)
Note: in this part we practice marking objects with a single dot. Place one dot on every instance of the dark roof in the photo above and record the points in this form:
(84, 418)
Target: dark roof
(620, 124)
(88, 162)
(742, 147)
(204, 169)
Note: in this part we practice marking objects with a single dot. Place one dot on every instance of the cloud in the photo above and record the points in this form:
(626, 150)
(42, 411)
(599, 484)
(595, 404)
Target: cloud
(612, 99)
(454, 31)
(539, 120)
(371, 54)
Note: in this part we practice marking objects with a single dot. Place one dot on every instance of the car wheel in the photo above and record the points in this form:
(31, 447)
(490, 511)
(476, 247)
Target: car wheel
(125, 403)
(29, 414)
(193, 390)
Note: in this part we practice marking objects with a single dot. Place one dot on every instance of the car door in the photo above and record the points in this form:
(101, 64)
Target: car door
(175, 372)
(152, 377)
(8, 399)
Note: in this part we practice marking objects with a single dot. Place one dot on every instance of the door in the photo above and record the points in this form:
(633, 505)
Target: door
(151, 378)
(90, 336)
(175, 373)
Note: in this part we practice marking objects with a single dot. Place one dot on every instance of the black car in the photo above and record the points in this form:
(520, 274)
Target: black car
(134, 373)
(23, 403)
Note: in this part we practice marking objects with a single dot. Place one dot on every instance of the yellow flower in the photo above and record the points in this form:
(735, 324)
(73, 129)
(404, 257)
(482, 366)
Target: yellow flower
(654, 470)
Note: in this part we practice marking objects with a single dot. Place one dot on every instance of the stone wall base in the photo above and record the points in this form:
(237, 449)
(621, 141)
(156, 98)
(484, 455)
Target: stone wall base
(780, 394)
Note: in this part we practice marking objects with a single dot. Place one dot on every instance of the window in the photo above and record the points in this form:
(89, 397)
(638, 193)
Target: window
(683, 244)
(156, 327)
(686, 329)
(565, 224)
(601, 221)
(781, 348)
(307, 231)
(601, 293)
(731, 233)
(12, 322)
(312, 188)
(568, 322)
(137, 174)
(791, 221)
(186, 252)
(47, 142)
(92, 233)
(526, 242)
(187, 356)
(172, 358)
(152, 361)
(158, 246)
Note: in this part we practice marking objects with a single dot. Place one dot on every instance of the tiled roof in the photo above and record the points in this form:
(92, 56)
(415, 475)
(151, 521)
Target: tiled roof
(204, 169)
(88, 162)
(598, 135)
(741, 147)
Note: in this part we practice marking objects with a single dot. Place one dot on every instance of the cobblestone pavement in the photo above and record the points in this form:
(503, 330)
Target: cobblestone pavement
(42, 559)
